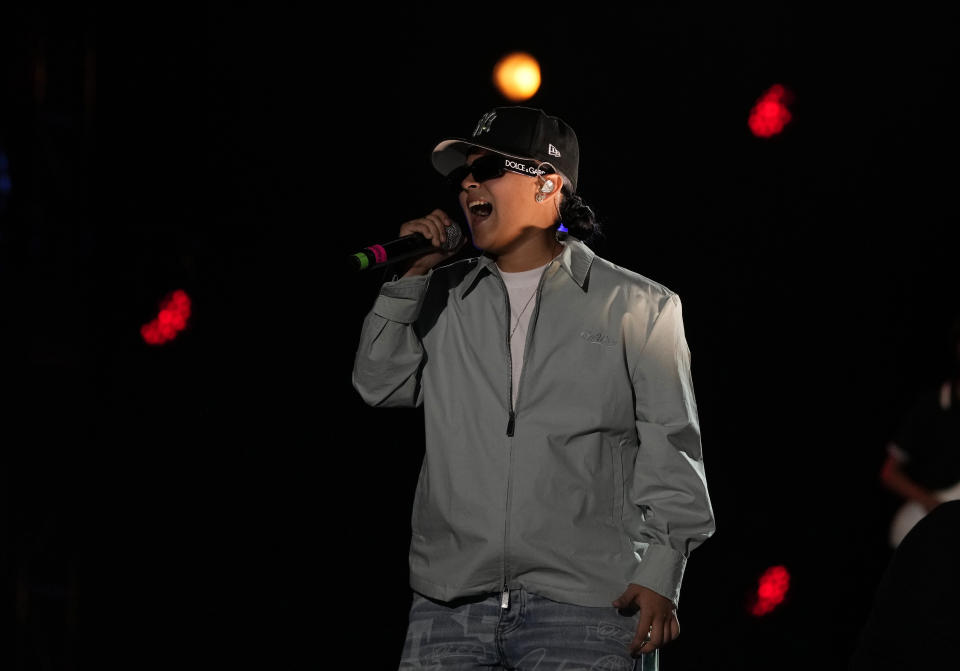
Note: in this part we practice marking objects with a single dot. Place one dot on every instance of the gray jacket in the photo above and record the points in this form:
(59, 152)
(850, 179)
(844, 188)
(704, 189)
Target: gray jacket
(596, 480)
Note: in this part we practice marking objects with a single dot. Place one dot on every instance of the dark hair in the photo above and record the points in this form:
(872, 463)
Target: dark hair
(577, 217)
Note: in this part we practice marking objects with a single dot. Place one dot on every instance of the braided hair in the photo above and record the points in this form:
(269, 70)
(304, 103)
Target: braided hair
(577, 217)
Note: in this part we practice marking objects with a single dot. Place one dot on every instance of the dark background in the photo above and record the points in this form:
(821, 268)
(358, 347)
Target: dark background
(228, 498)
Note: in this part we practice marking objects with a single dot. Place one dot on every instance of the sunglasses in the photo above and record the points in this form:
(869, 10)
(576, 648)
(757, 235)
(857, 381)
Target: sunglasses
(489, 166)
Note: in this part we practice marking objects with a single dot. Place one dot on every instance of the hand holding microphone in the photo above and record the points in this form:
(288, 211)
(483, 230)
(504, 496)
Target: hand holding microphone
(442, 232)
(426, 241)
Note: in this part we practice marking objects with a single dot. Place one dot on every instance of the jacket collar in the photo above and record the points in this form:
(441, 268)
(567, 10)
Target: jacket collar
(576, 259)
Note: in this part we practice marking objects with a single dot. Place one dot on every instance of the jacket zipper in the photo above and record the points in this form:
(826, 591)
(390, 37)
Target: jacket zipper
(505, 594)
(512, 416)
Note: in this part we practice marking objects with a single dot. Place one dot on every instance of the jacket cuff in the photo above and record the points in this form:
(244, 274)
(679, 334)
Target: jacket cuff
(661, 569)
(400, 300)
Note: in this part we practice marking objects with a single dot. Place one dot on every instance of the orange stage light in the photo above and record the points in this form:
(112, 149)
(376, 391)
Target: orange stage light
(517, 75)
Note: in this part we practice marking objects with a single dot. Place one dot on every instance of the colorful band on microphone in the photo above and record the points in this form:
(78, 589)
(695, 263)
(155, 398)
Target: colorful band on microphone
(379, 253)
(363, 260)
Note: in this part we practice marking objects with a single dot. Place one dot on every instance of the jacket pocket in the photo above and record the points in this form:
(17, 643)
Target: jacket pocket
(618, 487)
(418, 497)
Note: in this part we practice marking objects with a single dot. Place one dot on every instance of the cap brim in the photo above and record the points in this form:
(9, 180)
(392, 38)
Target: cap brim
(451, 154)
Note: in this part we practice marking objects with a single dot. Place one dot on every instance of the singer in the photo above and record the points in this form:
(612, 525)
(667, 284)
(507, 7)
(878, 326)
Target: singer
(563, 484)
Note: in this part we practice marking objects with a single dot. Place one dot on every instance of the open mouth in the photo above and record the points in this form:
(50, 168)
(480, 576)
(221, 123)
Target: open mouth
(480, 208)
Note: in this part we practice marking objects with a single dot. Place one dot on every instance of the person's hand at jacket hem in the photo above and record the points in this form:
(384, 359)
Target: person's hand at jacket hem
(658, 623)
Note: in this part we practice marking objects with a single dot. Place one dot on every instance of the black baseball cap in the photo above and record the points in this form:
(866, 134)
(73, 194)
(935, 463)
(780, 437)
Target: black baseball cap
(523, 133)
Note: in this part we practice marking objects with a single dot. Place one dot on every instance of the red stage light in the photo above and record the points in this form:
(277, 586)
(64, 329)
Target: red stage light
(172, 318)
(770, 115)
(771, 591)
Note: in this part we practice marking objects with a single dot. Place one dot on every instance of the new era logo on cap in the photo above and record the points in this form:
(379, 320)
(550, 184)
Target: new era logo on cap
(553, 151)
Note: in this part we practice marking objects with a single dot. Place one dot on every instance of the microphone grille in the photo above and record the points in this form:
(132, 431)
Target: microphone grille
(453, 237)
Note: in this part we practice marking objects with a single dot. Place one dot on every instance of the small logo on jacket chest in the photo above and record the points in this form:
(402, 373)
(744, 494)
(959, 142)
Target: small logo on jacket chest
(598, 338)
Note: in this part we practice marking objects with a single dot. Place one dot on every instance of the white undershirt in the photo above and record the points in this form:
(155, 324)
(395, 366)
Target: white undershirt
(522, 289)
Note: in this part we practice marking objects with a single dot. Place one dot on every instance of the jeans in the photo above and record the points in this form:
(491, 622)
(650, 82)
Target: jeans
(532, 634)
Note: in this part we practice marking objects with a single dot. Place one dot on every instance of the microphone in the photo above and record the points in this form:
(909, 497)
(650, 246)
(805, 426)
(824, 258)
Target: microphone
(406, 247)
